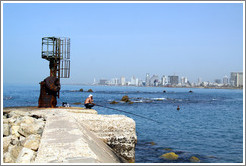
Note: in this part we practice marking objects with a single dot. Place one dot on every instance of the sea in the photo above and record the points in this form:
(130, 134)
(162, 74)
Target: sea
(209, 124)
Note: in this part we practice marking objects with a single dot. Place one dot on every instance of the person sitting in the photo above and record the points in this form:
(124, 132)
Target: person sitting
(89, 102)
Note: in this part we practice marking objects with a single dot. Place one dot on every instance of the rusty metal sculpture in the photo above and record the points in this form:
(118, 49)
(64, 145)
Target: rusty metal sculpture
(57, 52)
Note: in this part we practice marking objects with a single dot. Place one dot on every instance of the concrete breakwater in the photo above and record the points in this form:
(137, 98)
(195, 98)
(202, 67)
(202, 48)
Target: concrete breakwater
(66, 135)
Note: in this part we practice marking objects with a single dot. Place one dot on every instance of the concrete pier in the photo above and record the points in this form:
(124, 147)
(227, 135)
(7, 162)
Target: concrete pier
(76, 135)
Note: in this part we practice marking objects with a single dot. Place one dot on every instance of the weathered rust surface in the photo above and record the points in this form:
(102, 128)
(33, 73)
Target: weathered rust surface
(57, 52)
(49, 89)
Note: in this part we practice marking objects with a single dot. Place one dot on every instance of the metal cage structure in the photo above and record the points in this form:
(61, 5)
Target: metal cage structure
(57, 50)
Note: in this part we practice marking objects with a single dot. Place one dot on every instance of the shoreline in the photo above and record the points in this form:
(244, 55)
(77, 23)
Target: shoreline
(81, 84)
(240, 88)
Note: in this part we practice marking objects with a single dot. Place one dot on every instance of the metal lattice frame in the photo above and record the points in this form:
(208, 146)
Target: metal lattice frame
(58, 50)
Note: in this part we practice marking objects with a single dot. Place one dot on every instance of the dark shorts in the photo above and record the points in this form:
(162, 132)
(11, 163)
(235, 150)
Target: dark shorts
(89, 105)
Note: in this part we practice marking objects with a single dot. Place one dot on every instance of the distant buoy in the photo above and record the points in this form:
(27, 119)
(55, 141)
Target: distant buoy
(190, 91)
(178, 108)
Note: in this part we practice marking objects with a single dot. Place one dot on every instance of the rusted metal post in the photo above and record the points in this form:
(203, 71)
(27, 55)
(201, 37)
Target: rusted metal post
(52, 50)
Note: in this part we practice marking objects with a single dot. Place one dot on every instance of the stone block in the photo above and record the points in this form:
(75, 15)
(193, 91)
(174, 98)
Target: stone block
(6, 143)
(5, 121)
(27, 120)
(27, 129)
(14, 130)
(32, 142)
(25, 156)
(14, 140)
(7, 158)
(15, 150)
(6, 131)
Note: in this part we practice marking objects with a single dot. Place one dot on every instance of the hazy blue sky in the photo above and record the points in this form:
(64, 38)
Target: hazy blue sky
(113, 40)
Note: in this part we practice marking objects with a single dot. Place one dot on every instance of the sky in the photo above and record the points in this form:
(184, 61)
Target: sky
(111, 40)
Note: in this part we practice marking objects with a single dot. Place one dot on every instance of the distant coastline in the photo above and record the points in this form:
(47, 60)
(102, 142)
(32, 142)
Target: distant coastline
(197, 87)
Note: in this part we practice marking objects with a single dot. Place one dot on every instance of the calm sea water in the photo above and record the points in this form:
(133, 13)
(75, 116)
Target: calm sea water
(209, 124)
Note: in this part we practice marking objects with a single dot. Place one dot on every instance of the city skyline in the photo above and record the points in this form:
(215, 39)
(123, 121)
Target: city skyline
(115, 39)
(235, 79)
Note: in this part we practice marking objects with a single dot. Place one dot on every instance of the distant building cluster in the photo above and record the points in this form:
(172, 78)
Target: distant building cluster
(235, 80)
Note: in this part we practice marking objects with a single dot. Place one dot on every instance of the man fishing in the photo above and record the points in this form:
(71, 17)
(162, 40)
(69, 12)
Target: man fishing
(89, 102)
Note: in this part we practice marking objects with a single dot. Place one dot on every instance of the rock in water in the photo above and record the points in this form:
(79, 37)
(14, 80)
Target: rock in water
(114, 102)
(152, 143)
(167, 149)
(125, 99)
(170, 156)
(194, 159)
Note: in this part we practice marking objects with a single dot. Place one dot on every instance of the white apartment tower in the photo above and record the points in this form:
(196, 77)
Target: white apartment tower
(236, 79)
(183, 80)
(164, 80)
(123, 81)
(225, 80)
(115, 81)
(133, 80)
(199, 81)
(147, 80)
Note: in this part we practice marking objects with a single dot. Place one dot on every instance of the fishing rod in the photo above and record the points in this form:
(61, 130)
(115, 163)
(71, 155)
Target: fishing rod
(128, 113)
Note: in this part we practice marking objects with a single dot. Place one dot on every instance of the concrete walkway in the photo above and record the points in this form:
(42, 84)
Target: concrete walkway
(64, 140)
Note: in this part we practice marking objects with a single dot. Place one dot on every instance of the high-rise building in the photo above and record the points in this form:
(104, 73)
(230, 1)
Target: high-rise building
(147, 80)
(184, 80)
(233, 79)
(115, 81)
(103, 82)
(173, 80)
(199, 81)
(240, 79)
(225, 80)
(236, 79)
(218, 81)
(140, 82)
(94, 82)
(123, 81)
(154, 80)
(164, 80)
(134, 81)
